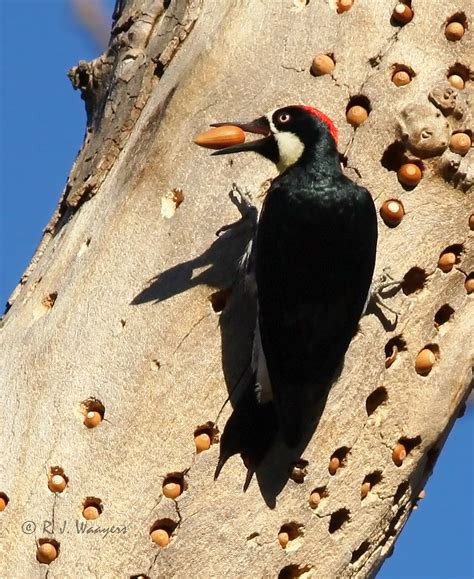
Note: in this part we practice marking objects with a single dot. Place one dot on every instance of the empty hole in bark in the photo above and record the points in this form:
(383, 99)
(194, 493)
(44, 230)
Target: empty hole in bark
(174, 484)
(49, 300)
(461, 70)
(378, 397)
(166, 4)
(316, 496)
(290, 536)
(458, 17)
(253, 536)
(357, 554)
(293, 571)
(414, 280)
(299, 470)
(392, 348)
(431, 458)
(155, 364)
(47, 557)
(159, 68)
(359, 100)
(3, 501)
(338, 519)
(92, 508)
(92, 405)
(443, 315)
(219, 299)
(400, 492)
(394, 156)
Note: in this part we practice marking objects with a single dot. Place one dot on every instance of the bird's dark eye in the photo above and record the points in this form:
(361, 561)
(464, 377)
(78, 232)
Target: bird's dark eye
(283, 117)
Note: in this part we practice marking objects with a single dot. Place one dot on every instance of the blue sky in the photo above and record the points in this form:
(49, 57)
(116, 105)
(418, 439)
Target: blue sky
(42, 126)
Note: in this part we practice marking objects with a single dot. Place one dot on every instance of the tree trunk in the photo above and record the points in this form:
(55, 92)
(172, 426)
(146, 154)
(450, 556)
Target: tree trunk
(120, 311)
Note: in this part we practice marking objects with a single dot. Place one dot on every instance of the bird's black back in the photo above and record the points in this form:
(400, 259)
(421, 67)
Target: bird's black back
(315, 256)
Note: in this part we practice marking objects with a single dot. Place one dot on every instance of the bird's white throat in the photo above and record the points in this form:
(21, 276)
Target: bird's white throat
(290, 149)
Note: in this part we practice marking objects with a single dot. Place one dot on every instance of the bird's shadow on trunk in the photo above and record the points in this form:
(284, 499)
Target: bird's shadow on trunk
(237, 312)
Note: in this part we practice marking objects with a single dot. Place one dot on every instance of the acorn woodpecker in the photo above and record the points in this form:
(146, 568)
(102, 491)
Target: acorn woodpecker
(313, 257)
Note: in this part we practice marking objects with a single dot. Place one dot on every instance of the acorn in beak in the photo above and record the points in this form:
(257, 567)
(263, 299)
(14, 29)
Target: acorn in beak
(230, 137)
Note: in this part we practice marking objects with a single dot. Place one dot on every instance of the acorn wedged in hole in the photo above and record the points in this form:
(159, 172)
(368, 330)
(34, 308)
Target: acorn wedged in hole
(447, 261)
(409, 174)
(392, 212)
(322, 64)
(402, 13)
(356, 115)
(456, 81)
(424, 362)
(46, 553)
(220, 137)
(460, 143)
(454, 31)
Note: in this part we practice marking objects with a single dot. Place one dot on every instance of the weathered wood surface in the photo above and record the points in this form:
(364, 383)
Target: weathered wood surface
(131, 323)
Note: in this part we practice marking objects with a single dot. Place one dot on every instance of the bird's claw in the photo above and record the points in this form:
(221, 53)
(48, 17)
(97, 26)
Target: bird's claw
(243, 201)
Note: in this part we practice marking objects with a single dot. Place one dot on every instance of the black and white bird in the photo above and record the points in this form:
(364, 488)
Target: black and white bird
(314, 256)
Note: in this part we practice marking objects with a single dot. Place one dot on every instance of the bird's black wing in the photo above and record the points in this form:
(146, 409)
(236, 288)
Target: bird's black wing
(314, 264)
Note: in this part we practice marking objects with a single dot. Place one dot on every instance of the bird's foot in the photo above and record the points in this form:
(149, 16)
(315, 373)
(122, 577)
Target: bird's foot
(380, 286)
(242, 199)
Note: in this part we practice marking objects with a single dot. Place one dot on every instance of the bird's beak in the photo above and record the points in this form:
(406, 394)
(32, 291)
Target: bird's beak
(259, 126)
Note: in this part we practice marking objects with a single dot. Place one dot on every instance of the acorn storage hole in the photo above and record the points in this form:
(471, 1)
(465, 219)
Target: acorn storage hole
(450, 256)
(460, 70)
(393, 156)
(47, 550)
(377, 398)
(174, 485)
(162, 531)
(338, 459)
(426, 359)
(299, 470)
(338, 519)
(469, 283)
(92, 508)
(219, 299)
(4, 500)
(357, 110)
(456, 26)
(322, 64)
(290, 536)
(49, 300)
(402, 13)
(205, 435)
(402, 75)
(400, 492)
(392, 348)
(295, 571)
(443, 315)
(414, 280)
(361, 550)
(316, 496)
(372, 479)
(403, 448)
(93, 411)
(57, 480)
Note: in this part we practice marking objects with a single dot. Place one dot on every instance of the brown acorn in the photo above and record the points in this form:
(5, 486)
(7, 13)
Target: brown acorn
(220, 137)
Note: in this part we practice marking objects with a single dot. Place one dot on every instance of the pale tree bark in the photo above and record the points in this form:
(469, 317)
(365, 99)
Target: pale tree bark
(114, 313)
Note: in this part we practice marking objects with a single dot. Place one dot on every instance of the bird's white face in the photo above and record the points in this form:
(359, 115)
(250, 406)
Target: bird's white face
(290, 146)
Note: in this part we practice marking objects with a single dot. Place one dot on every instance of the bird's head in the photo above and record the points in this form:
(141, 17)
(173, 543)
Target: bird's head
(288, 133)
